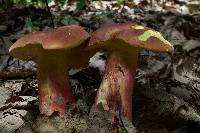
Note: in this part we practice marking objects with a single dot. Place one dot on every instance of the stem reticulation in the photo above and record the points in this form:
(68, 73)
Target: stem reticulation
(54, 87)
(116, 89)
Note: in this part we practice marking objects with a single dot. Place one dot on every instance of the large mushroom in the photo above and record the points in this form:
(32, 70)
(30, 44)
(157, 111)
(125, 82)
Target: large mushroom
(55, 52)
(123, 42)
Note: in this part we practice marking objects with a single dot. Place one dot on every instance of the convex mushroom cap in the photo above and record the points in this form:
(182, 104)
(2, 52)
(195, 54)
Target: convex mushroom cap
(66, 38)
(130, 34)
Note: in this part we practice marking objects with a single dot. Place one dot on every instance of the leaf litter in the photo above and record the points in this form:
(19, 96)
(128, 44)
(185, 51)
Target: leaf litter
(166, 97)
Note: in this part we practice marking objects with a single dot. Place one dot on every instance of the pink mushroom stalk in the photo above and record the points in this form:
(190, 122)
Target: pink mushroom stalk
(123, 42)
(55, 52)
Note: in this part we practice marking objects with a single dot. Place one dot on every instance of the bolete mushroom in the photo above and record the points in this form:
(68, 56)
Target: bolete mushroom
(123, 42)
(55, 52)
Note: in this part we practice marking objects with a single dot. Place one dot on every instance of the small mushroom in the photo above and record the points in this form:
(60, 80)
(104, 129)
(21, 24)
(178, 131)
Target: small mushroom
(55, 52)
(123, 42)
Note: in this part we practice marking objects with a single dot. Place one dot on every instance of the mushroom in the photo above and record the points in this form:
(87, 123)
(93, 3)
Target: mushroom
(123, 42)
(55, 52)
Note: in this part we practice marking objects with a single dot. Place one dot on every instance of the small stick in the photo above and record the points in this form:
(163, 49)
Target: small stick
(51, 16)
(122, 123)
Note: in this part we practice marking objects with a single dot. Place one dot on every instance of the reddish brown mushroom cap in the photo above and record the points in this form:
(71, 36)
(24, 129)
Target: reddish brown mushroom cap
(63, 38)
(131, 34)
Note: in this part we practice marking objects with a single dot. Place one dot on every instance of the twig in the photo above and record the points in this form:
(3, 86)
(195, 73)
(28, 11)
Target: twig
(51, 16)
(122, 123)
(16, 75)
(19, 107)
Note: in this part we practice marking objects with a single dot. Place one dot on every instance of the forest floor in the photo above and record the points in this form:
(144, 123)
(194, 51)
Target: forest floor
(167, 92)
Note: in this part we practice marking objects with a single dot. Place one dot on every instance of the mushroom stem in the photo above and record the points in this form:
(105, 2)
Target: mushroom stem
(54, 87)
(116, 89)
